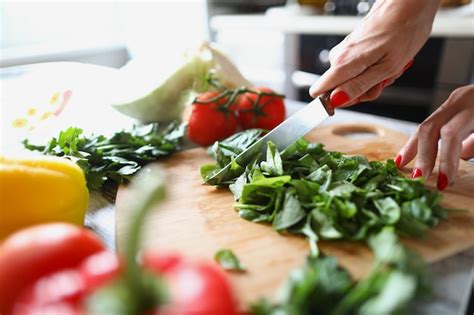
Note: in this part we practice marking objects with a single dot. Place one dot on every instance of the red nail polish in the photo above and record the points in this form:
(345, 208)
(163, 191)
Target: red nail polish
(338, 99)
(442, 181)
(408, 65)
(384, 83)
(398, 160)
(416, 173)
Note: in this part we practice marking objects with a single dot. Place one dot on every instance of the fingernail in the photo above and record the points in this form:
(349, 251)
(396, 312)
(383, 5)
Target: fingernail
(442, 181)
(384, 83)
(338, 99)
(398, 160)
(416, 173)
(408, 65)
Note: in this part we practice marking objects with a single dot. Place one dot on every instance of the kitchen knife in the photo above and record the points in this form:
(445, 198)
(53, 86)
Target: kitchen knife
(290, 130)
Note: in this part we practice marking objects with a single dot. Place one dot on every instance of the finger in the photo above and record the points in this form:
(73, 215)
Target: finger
(467, 151)
(389, 81)
(336, 75)
(427, 148)
(373, 93)
(408, 152)
(452, 135)
(408, 65)
(428, 136)
(351, 103)
(360, 84)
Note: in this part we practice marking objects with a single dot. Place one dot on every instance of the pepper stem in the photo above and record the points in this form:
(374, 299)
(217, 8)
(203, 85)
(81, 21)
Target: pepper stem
(146, 190)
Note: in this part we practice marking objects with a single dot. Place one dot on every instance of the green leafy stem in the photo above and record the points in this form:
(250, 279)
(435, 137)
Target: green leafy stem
(113, 159)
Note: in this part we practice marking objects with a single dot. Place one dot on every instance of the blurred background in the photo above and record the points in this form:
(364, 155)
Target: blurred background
(283, 44)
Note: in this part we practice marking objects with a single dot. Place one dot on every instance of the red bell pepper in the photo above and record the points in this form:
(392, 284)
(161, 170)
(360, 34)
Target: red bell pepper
(37, 251)
(64, 269)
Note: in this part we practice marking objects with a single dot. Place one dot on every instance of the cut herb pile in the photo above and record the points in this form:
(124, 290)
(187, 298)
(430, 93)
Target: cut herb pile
(323, 195)
(322, 287)
(114, 158)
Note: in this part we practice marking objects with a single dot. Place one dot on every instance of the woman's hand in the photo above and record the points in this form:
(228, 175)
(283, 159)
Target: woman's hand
(453, 123)
(377, 51)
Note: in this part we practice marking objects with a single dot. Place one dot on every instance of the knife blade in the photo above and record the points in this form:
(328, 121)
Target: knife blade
(290, 130)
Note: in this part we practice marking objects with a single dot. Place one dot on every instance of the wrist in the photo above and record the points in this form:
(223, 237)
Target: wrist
(393, 13)
(405, 15)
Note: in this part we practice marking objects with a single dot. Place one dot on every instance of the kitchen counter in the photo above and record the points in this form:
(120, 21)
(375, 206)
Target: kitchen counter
(453, 277)
(445, 25)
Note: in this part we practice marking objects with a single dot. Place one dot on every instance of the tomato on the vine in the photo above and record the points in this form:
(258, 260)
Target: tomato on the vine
(210, 119)
(260, 108)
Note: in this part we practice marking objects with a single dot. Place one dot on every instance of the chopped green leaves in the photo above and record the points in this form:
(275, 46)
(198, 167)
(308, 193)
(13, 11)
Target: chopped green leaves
(224, 152)
(114, 158)
(228, 261)
(291, 213)
(327, 195)
(336, 196)
(321, 286)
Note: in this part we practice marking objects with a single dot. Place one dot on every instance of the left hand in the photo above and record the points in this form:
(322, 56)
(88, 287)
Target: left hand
(453, 123)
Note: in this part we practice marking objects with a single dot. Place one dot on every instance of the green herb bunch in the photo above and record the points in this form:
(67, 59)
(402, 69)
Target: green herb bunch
(323, 195)
(113, 159)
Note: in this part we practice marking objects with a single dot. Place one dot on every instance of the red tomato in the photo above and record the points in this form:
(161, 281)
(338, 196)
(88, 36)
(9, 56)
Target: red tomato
(196, 288)
(210, 122)
(34, 252)
(267, 114)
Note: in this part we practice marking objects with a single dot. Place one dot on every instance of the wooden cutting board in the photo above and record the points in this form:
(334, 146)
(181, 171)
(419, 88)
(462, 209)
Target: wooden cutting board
(198, 220)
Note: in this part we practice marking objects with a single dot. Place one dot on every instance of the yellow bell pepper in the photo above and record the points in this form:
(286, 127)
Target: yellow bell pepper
(39, 190)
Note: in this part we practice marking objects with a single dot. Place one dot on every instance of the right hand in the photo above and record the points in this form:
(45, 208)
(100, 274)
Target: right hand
(377, 51)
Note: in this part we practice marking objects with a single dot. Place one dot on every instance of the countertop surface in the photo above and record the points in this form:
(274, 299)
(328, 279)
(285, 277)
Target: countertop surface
(453, 277)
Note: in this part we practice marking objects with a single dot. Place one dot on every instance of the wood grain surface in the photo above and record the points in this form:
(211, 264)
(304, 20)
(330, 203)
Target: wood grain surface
(198, 220)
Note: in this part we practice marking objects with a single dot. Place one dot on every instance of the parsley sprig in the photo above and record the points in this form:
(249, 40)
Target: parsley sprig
(113, 159)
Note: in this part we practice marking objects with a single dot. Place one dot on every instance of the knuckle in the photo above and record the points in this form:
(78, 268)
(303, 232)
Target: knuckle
(423, 161)
(449, 132)
(456, 93)
(390, 68)
(373, 94)
(356, 86)
(350, 44)
(341, 57)
(459, 97)
(445, 105)
(426, 128)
